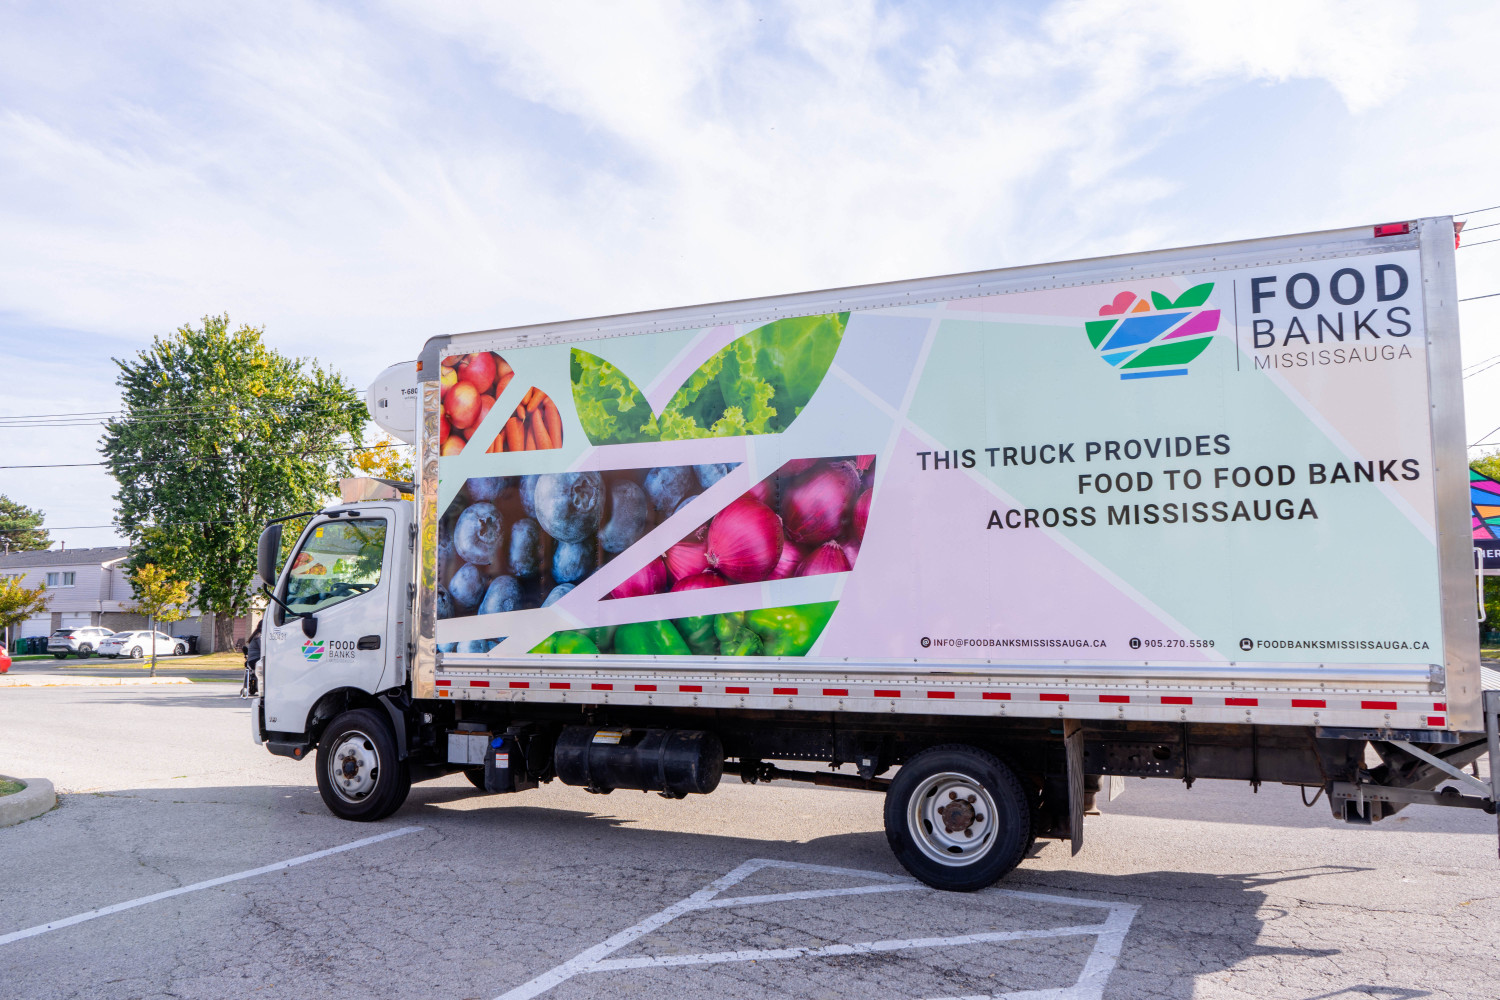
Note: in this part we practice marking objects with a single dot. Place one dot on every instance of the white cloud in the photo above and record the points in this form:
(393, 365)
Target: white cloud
(359, 180)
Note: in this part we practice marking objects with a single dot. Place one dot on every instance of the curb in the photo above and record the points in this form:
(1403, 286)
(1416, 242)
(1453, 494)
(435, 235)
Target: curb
(49, 680)
(30, 802)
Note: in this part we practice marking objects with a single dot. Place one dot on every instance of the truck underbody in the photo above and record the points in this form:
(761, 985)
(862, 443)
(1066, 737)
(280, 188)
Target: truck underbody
(1062, 765)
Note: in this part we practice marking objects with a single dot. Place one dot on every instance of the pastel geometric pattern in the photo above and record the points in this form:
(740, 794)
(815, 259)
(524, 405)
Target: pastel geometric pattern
(1145, 342)
(1484, 503)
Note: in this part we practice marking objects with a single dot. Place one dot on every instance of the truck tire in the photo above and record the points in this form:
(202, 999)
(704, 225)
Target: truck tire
(957, 818)
(476, 777)
(359, 775)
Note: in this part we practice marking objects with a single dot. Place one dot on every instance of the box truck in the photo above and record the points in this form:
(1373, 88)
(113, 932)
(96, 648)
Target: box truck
(986, 543)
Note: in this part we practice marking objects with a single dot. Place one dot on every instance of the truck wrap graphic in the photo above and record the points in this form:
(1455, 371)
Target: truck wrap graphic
(1001, 486)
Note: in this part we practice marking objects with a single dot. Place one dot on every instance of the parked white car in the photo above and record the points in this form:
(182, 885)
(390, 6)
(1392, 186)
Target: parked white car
(138, 644)
(80, 641)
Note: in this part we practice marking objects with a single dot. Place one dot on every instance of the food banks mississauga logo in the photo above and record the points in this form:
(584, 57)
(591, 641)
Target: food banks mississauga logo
(312, 649)
(1149, 338)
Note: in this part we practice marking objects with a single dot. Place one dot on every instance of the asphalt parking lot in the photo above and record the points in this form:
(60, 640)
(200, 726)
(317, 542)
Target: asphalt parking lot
(765, 891)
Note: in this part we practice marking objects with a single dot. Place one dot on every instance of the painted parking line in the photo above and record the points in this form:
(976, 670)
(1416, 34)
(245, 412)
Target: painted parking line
(1109, 934)
(209, 884)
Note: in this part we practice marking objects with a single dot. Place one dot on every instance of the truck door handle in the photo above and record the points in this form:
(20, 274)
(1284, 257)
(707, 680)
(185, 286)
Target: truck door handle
(368, 642)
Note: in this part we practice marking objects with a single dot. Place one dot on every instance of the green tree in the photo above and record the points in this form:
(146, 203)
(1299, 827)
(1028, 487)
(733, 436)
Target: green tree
(1487, 464)
(20, 527)
(18, 603)
(160, 598)
(220, 433)
(384, 459)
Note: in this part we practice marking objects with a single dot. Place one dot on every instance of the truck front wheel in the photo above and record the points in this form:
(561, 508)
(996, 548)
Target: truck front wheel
(359, 774)
(957, 818)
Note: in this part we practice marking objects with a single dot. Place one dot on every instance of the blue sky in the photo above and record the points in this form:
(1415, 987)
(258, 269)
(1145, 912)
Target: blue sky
(358, 177)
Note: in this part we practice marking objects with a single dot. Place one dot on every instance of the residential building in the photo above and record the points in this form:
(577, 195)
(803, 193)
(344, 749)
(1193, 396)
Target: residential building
(91, 587)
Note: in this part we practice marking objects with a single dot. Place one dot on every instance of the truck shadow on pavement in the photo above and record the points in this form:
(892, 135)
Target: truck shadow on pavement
(1187, 925)
(574, 870)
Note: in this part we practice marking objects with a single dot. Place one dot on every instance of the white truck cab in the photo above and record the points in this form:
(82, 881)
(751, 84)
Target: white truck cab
(335, 636)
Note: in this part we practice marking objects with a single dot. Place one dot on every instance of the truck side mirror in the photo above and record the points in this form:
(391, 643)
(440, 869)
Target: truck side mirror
(266, 552)
(310, 626)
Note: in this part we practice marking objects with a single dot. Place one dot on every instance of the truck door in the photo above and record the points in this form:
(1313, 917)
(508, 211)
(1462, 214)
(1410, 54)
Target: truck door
(341, 576)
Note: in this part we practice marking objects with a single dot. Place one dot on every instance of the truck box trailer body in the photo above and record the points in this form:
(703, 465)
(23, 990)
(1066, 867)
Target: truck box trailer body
(1188, 513)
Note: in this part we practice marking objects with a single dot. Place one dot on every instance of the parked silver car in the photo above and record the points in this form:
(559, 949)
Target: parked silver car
(80, 641)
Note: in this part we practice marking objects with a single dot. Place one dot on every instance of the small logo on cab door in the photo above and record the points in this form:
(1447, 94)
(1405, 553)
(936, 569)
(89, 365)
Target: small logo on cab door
(312, 649)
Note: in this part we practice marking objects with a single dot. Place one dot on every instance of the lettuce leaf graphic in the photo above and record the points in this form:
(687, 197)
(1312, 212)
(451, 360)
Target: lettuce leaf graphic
(610, 407)
(756, 385)
(759, 383)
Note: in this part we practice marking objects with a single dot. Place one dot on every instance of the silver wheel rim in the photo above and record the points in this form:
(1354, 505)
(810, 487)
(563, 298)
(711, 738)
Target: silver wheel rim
(952, 818)
(353, 767)
(135, 653)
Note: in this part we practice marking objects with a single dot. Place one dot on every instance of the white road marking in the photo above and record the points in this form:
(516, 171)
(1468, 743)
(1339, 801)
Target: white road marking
(1110, 935)
(863, 948)
(209, 884)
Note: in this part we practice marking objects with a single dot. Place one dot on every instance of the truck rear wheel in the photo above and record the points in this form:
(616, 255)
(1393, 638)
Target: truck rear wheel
(476, 777)
(957, 818)
(359, 774)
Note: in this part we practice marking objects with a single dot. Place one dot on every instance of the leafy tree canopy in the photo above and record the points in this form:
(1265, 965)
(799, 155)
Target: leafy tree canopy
(21, 527)
(18, 603)
(218, 434)
(386, 459)
(1487, 465)
(158, 595)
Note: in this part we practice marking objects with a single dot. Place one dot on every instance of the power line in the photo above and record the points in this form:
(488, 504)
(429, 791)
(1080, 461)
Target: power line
(1485, 361)
(158, 411)
(203, 458)
(1487, 225)
(151, 417)
(1479, 244)
(1478, 210)
(1481, 371)
(1480, 442)
(143, 527)
(1471, 298)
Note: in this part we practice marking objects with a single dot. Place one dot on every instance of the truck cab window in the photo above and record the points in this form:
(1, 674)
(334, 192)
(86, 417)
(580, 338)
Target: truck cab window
(337, 561)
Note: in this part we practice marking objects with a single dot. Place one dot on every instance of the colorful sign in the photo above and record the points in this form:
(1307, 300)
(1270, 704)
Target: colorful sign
(1484, 511)
(987, 480)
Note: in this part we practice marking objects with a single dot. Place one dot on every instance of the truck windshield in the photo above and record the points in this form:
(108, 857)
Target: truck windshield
(339, 560)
